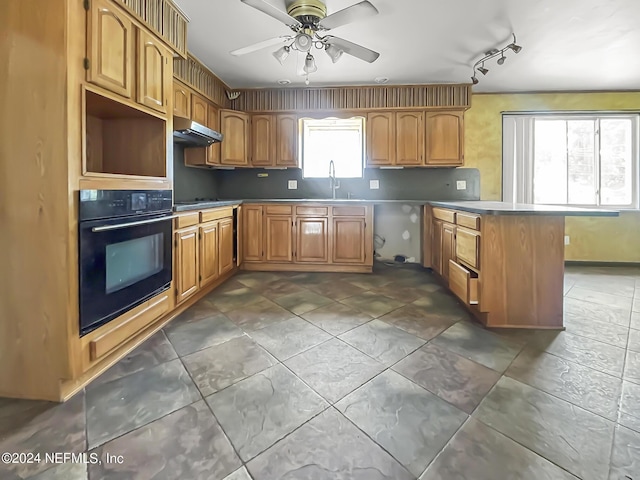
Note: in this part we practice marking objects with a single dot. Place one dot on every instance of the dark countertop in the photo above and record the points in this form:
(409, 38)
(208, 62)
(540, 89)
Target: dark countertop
(199, 205)
(506, 208)
(195, 205)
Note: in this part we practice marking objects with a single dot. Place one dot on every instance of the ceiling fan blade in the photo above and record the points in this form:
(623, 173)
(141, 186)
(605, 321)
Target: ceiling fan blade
(272, 11)
(260, 45)
(350, 14)
(353, 49)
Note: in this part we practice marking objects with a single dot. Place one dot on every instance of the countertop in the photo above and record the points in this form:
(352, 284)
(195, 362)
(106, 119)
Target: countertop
(506, 208)
(481, 207)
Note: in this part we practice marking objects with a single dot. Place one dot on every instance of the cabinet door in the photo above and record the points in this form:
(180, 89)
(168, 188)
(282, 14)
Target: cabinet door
(187, 256)
(235, 146)
(444, 138)
(286, 141)
(199, 109)
(213, 122)
(263, 140)
(312, 240)
(349, 240)
(181, 100)
(436, 246)
(209, 261)
(226, 245)
(279, 238)
(448, 248)
(110, 47)
(252, 235)
(381, 145)
(409, 138)
(155, 72)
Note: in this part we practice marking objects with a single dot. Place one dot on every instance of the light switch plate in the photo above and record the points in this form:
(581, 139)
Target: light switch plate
(292, 185)
(374, 184)
(461, 185)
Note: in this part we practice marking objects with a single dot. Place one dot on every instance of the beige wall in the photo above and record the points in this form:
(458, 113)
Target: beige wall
(592, 239)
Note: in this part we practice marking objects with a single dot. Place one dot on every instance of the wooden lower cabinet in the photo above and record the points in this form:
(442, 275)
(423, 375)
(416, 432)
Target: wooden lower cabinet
(448, 248)
(312, 240)
(349, 240)
(436, 243)
(203, 252)
(225, 228)
(209, 255)
(278, 238)
(187, 263)
(252, 233)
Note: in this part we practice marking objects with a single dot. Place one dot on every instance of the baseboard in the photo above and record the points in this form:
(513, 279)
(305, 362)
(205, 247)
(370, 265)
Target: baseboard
(581, 263)
(299, 267)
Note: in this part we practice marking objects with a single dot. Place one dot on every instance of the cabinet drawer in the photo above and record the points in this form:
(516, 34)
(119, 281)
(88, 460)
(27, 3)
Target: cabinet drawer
(113, 338)
(468, 247)
(468, 220)
(215, 214)
(463, 283)
(445, 215)
(187, 220)
(349, 211)
(278, 209)
(315, 211)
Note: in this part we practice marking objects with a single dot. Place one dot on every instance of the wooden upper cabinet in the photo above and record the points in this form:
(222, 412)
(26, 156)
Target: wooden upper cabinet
(349, 240)
(444, 138)
(213, 122)
(278, 238)
(155, 72)
(235, 145)
(110, 47)
(381, 145)
(199, 109)
(209, 257)
(252, 236)
(187, 268)
(409, 138)
(181, 100)
(225, 227)
(312, 240)
(263, 140)
(286, 141)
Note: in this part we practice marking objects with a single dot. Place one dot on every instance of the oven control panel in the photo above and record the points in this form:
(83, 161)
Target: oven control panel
(95, 204)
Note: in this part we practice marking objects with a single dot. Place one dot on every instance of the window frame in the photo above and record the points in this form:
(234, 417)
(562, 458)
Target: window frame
(518, 154)
(360, 120)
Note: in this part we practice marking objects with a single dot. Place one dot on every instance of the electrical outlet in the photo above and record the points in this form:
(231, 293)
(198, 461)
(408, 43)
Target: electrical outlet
(461, 185)
(292, 185)
(567, 240)
(374, 184)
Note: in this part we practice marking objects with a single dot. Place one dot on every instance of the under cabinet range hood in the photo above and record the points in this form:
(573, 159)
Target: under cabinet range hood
(192, 134)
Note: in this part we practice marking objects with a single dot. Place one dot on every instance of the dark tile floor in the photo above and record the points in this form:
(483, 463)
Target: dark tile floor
(347, 376)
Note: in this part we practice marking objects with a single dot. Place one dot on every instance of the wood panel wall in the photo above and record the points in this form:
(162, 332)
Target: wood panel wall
(377, 97)
(193, 73)
(164, 18)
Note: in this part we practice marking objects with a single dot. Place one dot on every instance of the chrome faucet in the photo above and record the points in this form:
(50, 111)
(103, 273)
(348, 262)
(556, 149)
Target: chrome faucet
(333, 183)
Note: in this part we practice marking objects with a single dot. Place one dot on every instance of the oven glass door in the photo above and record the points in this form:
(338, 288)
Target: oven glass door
(123, 262)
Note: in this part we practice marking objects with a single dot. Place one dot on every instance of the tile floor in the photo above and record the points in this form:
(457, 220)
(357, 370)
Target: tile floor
(347, 376)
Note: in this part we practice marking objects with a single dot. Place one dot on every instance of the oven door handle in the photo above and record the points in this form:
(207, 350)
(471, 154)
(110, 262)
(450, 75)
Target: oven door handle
(105, 228)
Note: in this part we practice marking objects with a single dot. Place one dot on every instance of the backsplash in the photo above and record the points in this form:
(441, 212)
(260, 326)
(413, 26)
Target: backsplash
(405, 184)
(190, 183)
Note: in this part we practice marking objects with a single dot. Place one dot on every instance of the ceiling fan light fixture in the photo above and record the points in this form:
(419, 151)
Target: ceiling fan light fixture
(309, 64)
(334, 52)
(303, 42)
(281, 54)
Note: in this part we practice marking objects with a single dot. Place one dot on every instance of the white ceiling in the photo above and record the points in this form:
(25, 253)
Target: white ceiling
(567, 44)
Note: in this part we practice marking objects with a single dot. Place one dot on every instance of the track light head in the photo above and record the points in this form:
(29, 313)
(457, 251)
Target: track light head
(474, 80)
(515, 48)
(483, 70)
(501, 59)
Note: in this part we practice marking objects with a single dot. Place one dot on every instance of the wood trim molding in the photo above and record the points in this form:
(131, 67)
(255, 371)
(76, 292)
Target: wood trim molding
(196, 75)
(354, 98)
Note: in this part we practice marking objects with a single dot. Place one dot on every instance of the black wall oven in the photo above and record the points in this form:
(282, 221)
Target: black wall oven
(125, 251)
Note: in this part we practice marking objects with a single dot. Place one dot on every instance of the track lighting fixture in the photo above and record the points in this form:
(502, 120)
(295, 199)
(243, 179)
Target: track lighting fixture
(494, 52)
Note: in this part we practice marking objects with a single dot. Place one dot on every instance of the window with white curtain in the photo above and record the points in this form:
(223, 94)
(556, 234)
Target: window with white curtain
(337, 139)
(571, 159)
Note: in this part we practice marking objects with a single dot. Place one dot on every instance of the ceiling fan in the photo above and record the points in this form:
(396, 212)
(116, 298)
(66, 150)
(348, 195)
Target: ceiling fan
(309, 21)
